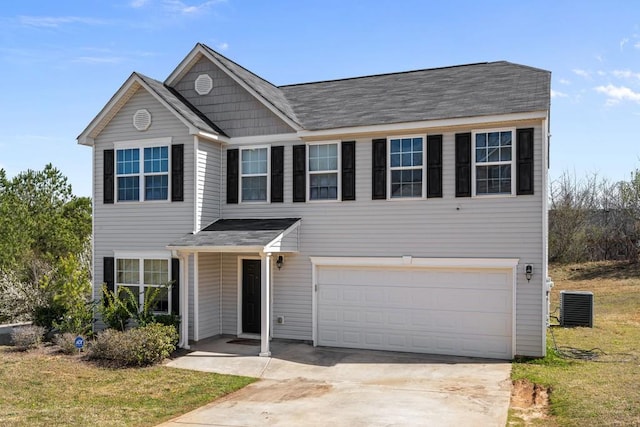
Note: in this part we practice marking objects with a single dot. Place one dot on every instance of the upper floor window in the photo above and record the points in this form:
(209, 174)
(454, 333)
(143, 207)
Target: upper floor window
(141, 275)
(154, 173)
(493, 159)
(406, 158)
(323, 171)
(254, 174)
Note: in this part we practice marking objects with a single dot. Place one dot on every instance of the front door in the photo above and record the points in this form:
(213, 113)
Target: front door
(251, 283)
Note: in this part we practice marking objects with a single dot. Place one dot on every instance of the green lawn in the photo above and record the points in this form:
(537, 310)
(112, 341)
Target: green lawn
(604, 391)
(43, 389)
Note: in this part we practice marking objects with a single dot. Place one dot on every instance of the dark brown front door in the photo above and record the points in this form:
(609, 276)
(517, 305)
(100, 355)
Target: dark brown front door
(251, 295)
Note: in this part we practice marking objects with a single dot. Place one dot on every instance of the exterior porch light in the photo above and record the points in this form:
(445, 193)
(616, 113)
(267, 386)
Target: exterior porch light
(528, 272)
(279, 262)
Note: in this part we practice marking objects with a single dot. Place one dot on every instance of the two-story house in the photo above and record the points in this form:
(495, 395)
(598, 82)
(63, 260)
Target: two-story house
(402, 211)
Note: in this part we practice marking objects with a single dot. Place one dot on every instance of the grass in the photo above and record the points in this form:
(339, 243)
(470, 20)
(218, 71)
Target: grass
(44, 389)
(604, 391)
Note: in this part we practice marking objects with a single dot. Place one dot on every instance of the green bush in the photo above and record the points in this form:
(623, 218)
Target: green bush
(25, 337)
(67, 342)
(142, 346)
(116, 310)
(168, 320)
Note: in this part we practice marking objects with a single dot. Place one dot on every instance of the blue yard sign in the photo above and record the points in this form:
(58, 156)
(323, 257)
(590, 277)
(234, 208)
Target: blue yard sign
(79, 342)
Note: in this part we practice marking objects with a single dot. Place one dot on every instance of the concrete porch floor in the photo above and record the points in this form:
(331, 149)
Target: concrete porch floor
(305, 385)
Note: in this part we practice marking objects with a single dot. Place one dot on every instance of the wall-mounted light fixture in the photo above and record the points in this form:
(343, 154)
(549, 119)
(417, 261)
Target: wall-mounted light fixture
(279, 262)
(528, 272)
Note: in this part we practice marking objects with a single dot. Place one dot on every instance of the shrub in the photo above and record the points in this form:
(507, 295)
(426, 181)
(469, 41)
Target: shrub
(25, 337)
(168, 320)
(116, 310)
(142, 346)
(67, 342)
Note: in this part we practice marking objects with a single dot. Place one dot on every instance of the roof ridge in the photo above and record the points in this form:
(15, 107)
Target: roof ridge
(395, 73)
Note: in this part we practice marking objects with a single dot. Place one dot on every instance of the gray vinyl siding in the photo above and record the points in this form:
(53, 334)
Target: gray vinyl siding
(447, 227)
(140, 226)
(229, 105)
(208, 184)
(209, 288)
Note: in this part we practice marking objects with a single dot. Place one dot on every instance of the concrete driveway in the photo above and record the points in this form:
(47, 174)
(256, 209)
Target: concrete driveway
(306, 386)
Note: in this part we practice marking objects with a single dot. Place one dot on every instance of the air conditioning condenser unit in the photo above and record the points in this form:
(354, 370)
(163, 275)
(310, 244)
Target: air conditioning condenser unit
(576, 308)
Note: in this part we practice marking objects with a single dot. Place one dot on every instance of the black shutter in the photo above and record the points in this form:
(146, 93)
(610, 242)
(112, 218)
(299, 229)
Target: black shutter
(434, 166)
(463, 165)
(232, 176)
(108, 176)
(299, 173)
(379, 170)
(277, 174)
(108, 275)
(175, 286)
(177, 173)
(524, 171)
(348, 170)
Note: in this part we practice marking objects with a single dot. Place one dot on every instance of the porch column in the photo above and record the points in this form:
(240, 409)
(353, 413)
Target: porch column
(265, 317)
(184, 301)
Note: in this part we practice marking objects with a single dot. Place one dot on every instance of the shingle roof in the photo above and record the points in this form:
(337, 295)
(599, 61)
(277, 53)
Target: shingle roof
(226, 233)
(181, 105)
(462, 91)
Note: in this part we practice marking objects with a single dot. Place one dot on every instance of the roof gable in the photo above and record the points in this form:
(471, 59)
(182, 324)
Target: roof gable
(185, 112)
(266, 93)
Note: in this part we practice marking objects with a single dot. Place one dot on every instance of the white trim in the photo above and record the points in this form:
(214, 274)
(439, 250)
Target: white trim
(423, 168)
(197, 211)
(338, 171)
(416, 262)
(265, 139)
(212, 136)
(268, 174)
(265, 304)
(227, 249)
(512, 162)
(275, 244)
(142, 143)
(196, 299)
(423, 124)
(142, 254)
(184, 300)
(407, 262)
(544, 171)
(239, 286)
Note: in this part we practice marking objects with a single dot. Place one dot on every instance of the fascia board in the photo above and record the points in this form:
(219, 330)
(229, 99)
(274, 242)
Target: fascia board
(426, 124)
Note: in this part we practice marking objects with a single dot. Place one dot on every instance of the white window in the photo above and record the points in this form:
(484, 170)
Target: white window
(323, 161)
(406, 160)
(142, 172)
(141, 274)
(493, 171)
(254, 174)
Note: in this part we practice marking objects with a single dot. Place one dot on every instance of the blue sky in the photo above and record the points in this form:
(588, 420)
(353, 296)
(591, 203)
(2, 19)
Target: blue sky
(61, 61)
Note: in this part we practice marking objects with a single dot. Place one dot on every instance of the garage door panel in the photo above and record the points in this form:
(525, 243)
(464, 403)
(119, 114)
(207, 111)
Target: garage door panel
(417, 310)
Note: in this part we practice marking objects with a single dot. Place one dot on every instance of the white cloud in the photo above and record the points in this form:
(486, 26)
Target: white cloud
(181, 7)
(99, 59)
(601, 73)
(222, 46)
(558, 94)
(564, 81)
(582, 73)
(138, 3)
(637, 45)
(623, 42)
(625, 74)
(56, 21)
(616, 94)
(599, 58)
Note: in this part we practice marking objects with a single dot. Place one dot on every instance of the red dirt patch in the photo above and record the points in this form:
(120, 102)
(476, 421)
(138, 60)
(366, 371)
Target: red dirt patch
(529, 401)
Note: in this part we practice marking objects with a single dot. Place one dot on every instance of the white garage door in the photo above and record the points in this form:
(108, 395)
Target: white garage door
(464, 312)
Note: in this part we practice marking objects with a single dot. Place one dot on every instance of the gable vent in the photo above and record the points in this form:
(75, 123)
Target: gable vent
(142, 120)
(203, 84)
(576, 308)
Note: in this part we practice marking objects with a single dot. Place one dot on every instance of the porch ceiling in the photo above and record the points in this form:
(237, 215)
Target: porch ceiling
(241, 235)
